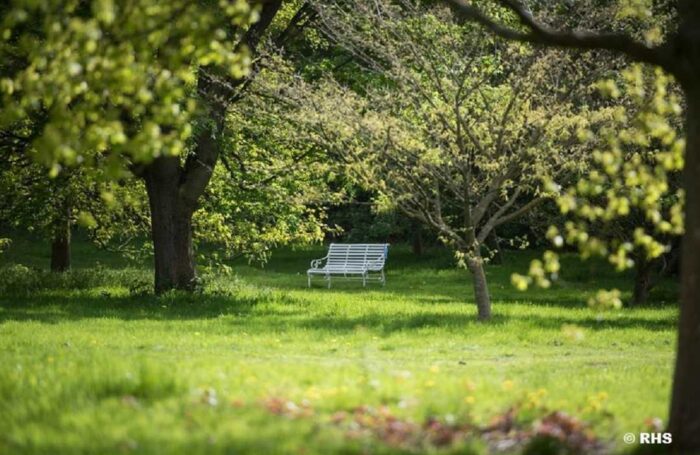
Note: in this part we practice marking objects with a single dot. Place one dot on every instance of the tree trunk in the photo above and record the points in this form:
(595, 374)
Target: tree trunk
(171, 227)
(684, 421)
(60, 243)
(417, 240)
(642, 281)
(673, 261)
(174, 189)
(481, 289)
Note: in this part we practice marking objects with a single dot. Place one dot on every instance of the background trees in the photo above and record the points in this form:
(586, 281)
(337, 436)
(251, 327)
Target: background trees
(113, 214)
(273, 185)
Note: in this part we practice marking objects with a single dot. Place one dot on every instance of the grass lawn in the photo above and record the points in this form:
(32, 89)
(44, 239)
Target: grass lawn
(258, 363)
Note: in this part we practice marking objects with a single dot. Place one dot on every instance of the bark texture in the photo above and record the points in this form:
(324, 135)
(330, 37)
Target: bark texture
(174, 190)
(60, 243)
(684, 422)
(642, 281)
(481, 289)
(493, 243)
(171, 227)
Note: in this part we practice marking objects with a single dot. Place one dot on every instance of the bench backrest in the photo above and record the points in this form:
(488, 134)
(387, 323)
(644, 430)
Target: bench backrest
(358, 254)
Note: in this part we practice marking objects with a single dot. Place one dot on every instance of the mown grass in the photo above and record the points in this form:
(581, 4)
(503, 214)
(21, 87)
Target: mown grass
(90, 363)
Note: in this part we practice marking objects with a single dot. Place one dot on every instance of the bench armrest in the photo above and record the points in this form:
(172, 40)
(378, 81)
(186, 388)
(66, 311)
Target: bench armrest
(316, 263)
(375, 263)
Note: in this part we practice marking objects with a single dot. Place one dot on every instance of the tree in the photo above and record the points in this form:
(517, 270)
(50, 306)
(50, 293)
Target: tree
(51, 207)
(29, 201)
(462, 146)
(175, 185)
(678, 53)
(110, 85)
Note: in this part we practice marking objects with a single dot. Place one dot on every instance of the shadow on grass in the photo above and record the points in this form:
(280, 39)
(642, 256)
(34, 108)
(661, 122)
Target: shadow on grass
(54, 309)
(433, 286)
(291, 312)
(465, 321)
(461, 293)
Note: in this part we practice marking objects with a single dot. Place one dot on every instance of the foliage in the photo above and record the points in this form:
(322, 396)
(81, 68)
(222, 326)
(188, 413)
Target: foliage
(4, 244)
(638, 157)
(106, 83)
(110, 88)
(274, 186)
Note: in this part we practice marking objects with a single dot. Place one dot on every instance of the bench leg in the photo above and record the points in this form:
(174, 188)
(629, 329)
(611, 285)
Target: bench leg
(383, 278)
(329, 281)
(364, 280)
(309, 279)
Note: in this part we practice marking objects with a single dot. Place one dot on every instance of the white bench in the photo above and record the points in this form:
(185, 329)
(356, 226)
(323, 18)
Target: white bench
(351, 260)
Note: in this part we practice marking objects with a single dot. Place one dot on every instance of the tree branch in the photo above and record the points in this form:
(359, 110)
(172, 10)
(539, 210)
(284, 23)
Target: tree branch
(521, 211)
(538, 33)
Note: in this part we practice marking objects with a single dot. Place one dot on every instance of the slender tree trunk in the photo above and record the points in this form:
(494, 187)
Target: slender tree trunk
(684, 422)
(171, 227)
(642, 281)
(481, 289)
(60, 243)
(417, 240)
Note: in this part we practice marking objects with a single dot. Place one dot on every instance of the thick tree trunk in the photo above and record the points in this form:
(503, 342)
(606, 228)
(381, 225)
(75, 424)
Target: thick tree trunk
(60, 243)
(684, 422)
(171, 227)
(481, 289)
(642, 281)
